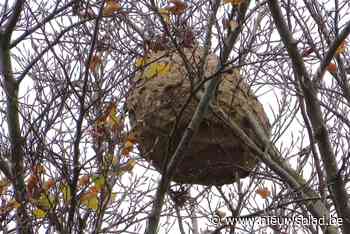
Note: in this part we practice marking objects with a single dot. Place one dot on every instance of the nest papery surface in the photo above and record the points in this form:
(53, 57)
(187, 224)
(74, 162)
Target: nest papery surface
(215, 156)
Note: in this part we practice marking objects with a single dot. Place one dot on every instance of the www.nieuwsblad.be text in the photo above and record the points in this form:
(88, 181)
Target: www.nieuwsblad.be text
(275, 220)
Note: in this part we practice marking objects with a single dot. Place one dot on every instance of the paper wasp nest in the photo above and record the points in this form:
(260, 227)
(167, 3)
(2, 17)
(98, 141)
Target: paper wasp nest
(215, 155)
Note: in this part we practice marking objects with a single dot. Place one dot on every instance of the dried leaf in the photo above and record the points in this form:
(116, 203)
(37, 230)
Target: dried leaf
(84, 180)
(95, 62)
(32, 184)
(112, 120)
(128, 147)
(4, 184)
(341, 48)
(165, 13)
(129, 144)
(94, 189)
(88, 195)
(49, 184)
(233, 2)
(332, 68)
(132, 139)
(90, 200)
(111, 7)
(177, 7)
(38, 169)
(263, 192)
(14, 204)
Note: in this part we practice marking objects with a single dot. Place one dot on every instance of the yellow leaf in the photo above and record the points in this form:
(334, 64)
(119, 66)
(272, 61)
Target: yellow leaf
(341, 48)
(157, 69)
(39, 213)
(65, 189)
(99, 182)
(111, 7)
(4, 184)
(45, 201)
(114, 160)
(140, 62)
(164, 12)
(90, 200)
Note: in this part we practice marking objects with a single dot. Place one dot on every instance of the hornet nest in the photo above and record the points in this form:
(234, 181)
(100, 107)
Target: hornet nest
(215, 155)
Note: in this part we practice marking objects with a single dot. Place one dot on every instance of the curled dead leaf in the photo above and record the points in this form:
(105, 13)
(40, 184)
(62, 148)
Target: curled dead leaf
(84, 180)
(111, 7)
(165, 13)
(132, 139)
(176, 7)
(341, 48)
(49, 184)
(4, 184)
(263, 192)
(233, 2)
(95, 62)
(332, 68)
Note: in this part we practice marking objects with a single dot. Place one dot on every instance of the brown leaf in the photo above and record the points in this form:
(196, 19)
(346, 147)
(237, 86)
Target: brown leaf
(263, 192)
(84, 180)
(95, 62)
(177, 7)
(234, 2)
(111, 7)
(332, 68)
